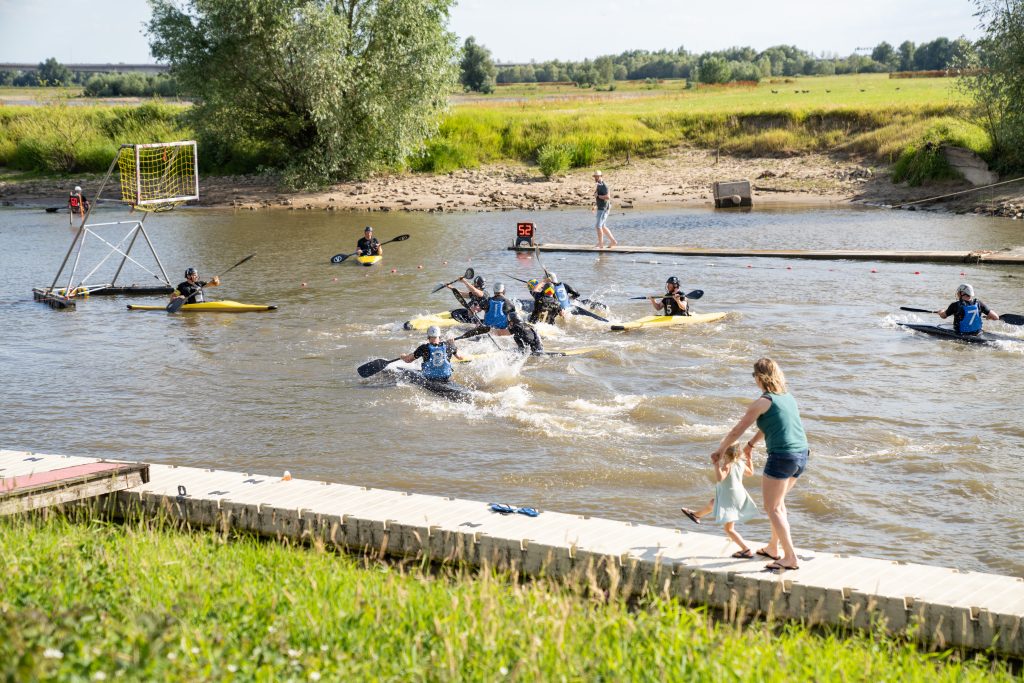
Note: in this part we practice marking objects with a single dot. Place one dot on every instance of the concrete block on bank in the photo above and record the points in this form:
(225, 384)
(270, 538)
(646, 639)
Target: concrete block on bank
(732, 194)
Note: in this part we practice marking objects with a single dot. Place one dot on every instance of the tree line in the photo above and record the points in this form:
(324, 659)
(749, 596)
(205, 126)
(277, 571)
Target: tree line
(52, 73)
(480, 73)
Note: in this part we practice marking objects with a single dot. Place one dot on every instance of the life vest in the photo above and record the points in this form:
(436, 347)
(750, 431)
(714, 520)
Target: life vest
(968, 318)
(672, 308)
(437, 364)
(74, 202)
(496, 314)
(563, 296)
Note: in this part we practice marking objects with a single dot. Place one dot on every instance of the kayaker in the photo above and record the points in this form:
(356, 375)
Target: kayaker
(564, 292)
(78, 204)
(437, 356)
(967, 311)
(475, 294)
(369, 245)
(501, 318)
(674, 301)
(546, 308)
(192, 288)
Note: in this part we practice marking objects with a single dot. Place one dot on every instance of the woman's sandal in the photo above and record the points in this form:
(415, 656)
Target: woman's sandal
(764, 553)
(776, 567)
(744, 554)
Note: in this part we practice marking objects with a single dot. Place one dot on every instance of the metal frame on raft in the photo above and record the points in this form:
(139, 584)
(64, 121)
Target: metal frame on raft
(153, 193)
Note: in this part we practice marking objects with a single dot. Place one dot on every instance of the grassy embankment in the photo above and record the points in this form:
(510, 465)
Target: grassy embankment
(93, 601)
(869, 115)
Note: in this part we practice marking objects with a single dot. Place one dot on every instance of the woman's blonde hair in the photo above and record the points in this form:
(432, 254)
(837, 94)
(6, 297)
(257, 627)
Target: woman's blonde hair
(769, 374)
(732, 454)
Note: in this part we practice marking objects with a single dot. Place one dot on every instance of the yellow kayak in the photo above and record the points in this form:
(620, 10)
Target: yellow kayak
(210, 307)
(422, 322)
(669, 321)
(369, 260)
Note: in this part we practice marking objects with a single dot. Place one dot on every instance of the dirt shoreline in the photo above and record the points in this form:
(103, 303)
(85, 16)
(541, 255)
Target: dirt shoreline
(682, 178)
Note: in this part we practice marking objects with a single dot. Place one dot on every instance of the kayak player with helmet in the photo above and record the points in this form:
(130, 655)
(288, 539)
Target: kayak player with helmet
(564, 292)
(674, 301)
(192, 289)
(967, 311)
(368, 245)
(437, 356)
(546, 308)
(78, 203)
(475, 293)
(501, 317)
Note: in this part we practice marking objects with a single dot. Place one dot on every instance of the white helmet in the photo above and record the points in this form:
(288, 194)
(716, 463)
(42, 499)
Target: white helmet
(77, 188)
(433, 331)
(552, 277)
(965, 289)
(499, 288)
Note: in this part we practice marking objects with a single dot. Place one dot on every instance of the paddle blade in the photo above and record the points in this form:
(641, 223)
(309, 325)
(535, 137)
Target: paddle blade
(374, 366)
(340, 258)
(915, 310)
(695, 294)
(175, 304)
(1012, 319)
(576, 310)
(469, 273)
(437, 289)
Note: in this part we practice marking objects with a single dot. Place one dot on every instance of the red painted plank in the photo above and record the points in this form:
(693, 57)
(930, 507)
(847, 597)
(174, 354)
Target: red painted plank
(11, 484)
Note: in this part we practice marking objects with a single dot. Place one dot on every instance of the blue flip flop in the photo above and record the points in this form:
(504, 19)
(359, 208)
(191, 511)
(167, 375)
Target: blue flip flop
(502, 509)
(529, 512)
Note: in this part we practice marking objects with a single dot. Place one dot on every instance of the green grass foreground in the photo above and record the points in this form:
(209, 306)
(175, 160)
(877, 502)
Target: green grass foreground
(559, 128)
(99, 601)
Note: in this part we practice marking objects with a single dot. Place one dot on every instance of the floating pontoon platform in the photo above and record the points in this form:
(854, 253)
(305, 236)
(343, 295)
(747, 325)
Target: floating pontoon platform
(943, 607)
(996, 257)
(34, 482)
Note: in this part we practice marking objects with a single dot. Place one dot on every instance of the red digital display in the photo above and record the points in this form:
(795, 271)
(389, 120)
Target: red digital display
(525, 229)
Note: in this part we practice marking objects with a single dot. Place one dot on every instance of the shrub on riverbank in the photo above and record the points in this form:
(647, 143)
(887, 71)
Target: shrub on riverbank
(93, 600)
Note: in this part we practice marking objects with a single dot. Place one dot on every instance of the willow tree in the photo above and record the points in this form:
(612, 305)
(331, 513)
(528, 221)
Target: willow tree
(323, 89)
(995, 77)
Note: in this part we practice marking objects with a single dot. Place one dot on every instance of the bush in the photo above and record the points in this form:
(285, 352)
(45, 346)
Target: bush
(583, 153)
(553, 159)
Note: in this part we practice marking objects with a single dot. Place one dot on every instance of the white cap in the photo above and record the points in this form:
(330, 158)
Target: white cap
(77, 188)
(433, 331)
(597, 173)
(499, 288)
(965, 289)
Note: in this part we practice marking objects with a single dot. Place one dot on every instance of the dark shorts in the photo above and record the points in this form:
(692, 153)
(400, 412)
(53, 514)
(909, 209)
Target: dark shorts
(786, 465)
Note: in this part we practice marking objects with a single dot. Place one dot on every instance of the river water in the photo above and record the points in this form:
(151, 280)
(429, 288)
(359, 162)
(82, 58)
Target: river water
(916, 442)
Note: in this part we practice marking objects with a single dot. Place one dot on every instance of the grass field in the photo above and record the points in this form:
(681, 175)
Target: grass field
(561, 127)
(97, 601)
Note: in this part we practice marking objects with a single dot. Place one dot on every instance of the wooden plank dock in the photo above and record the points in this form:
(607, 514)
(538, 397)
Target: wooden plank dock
(25, 486)
(943, 607)
(994, 257)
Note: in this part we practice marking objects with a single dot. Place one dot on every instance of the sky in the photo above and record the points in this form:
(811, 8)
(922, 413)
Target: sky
(80, 31)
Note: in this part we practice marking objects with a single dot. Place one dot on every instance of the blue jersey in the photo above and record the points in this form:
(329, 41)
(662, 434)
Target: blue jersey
(563, 296)
(497, 316)
(968, 318)
(437, 362)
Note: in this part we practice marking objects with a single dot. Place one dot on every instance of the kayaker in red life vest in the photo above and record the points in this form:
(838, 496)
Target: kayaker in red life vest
(674, 301)
(77, 202)
(369, 245)
(192, 288)
(967, 311)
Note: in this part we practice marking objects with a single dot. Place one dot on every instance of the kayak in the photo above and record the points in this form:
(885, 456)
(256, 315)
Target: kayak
(369, 260)
(210, 307)
(947, 332)
(669, 321)
(422, 322)
(468, 357)
(449, 390)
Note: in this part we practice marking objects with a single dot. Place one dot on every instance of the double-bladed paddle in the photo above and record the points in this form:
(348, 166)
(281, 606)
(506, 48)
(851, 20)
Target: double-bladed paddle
(695, 294)
(340, 258)
(1008, 318)
(576, 308)
(177, 302)
(374, 366)
(468, 275)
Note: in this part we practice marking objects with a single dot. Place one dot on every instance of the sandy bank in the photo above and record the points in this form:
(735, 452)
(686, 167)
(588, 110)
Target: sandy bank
(681, 178)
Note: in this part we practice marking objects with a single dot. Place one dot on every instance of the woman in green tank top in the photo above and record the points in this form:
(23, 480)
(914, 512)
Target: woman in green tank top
(778, 423)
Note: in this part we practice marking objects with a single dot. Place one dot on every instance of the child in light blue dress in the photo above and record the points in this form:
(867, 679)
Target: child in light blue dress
(731, 503)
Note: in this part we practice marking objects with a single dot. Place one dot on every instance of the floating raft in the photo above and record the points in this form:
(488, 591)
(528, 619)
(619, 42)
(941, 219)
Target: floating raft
(1005, 258)
(946, 608)
(55, 298)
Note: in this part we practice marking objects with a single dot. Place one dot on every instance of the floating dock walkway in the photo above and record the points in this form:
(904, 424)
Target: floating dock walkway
(948, 607)
(994, 257)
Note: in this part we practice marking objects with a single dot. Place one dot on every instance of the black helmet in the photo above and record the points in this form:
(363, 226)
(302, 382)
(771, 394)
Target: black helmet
(672, 281)
(189, 272)
(479, 281)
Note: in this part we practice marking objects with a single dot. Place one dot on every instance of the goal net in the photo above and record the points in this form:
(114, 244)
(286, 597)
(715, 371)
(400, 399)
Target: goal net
(158, 176)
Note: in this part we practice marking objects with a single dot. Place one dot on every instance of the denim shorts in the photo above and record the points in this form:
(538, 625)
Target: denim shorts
(602, 215)
(786, 465)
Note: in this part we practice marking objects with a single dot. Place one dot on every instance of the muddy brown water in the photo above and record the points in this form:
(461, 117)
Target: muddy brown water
(916, 442)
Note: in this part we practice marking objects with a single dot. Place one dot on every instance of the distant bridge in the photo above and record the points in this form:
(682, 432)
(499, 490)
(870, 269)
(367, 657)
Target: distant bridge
(93, 68)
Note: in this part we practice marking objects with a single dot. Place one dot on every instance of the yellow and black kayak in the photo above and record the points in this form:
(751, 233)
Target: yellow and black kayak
(210, 307)
(669, 321)
(369, 259)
